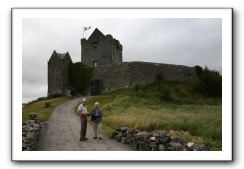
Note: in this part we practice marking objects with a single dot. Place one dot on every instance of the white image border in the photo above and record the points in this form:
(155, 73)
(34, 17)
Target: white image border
(18, 155)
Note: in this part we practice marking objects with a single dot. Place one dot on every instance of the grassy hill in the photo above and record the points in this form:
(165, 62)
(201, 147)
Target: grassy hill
(175, 106)
(37, 106)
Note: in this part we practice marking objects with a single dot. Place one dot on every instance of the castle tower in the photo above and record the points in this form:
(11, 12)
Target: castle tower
(58, 74)
(100, 49)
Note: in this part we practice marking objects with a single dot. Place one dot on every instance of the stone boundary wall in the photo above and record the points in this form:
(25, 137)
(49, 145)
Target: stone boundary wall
(158, 140)
(30, 133)
(131, 73)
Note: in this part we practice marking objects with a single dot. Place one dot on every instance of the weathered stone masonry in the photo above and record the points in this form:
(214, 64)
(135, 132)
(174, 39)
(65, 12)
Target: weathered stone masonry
(104, 54)
(131, 73)
(99, 50)
(58, 75)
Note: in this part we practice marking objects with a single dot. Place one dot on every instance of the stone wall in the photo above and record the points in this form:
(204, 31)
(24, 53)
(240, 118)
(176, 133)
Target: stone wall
(100, 48)
(30, 133)
(158, 140)
(131, 73)
(58, 73)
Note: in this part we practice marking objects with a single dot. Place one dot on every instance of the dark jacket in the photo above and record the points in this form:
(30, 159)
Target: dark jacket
(96, 115)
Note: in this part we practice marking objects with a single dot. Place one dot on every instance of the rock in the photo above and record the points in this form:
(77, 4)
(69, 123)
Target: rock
(142, 146)
(171, 148)
(132, 131)
(142, 135)
(118, 137)
(180, 140)
(30, 123)
(123, 129)
(173, 144)
(30, 133)
(165, 139)
(160, 140)
(160, 133)
(161, 147)
(32, 116)
(190, 144)
(130, 139)
(199, 147)
(123, 140)
(153, 146)
(152, 138)
(30, 136)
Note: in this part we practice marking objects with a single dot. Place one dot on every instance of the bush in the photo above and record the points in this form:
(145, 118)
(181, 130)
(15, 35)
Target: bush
(136, 88)
(47, 104)
(158, 80)
(56, 95)
(80, 76)
(210, 82)
(165, 95)
(198, 69)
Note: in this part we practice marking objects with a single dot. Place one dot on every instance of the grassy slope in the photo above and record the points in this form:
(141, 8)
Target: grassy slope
(188, 110)
(38, 107)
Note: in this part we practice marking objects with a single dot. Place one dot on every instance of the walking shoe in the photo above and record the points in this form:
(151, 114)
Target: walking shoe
(83, 139)
(100, 138)
(94, 137)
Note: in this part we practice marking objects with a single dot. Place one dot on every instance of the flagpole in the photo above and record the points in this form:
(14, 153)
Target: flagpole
(83, 32)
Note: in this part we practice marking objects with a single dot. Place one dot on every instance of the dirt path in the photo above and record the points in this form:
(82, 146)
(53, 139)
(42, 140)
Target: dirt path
(63, 132)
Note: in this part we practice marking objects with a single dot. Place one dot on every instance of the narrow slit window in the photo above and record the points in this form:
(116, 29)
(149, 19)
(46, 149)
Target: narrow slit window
(95, 63)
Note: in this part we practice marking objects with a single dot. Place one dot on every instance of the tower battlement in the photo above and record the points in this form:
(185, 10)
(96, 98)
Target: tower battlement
(100, 49)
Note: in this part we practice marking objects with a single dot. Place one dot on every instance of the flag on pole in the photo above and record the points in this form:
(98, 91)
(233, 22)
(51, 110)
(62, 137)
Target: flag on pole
(86, 28)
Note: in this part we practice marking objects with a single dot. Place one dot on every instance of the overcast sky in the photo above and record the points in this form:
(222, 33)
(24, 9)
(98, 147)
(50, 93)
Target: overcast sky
(175, 41)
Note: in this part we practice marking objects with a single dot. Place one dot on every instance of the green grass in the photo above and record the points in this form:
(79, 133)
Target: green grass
(144, 109)
(38, 108)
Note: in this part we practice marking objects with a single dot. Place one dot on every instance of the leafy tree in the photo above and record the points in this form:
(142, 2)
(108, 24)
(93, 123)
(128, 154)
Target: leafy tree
(80, 76)
(210, 81)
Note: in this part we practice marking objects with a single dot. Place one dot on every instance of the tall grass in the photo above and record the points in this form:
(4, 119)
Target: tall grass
(38, 108)
(189, 111)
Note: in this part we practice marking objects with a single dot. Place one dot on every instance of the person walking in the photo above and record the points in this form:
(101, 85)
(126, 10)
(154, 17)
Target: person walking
(83, 118)
(96, 118)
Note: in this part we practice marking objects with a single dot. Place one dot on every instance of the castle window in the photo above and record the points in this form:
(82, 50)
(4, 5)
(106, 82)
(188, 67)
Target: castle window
(95, 63)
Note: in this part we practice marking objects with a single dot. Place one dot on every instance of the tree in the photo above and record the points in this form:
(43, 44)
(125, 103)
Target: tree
(80, 76)
(210, 82)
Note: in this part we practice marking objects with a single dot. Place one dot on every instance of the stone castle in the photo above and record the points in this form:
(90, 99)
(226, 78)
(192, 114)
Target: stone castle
(104, 54)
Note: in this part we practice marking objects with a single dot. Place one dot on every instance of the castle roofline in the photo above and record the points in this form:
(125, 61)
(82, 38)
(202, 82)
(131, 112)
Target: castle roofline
(96, 33)
(60, 55)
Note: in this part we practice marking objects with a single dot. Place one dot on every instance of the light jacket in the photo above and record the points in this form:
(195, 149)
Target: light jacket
(96, 115)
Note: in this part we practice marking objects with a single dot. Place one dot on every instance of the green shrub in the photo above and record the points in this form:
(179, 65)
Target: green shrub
(165, 95)
(158, 80)
(47, 104)
(210, 82)
(56, 95)
(198, 69)
(80, 76)
(136, 88)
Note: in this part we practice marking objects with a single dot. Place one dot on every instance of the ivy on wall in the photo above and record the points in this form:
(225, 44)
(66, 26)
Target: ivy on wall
(80, 76)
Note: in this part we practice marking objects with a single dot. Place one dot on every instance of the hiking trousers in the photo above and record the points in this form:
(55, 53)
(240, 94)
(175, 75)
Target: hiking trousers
(83, 128)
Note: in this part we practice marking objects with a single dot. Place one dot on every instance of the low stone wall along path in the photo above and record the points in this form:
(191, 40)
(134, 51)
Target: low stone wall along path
(62, 133)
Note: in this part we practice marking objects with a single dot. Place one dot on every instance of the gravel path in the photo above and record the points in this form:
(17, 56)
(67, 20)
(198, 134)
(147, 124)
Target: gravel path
(62, 133)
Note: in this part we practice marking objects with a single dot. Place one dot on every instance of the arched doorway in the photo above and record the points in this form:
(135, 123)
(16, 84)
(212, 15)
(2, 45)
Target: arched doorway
(96, 87)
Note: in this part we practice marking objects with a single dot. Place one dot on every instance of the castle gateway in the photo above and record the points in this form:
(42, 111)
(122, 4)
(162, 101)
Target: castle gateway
(104, 54)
